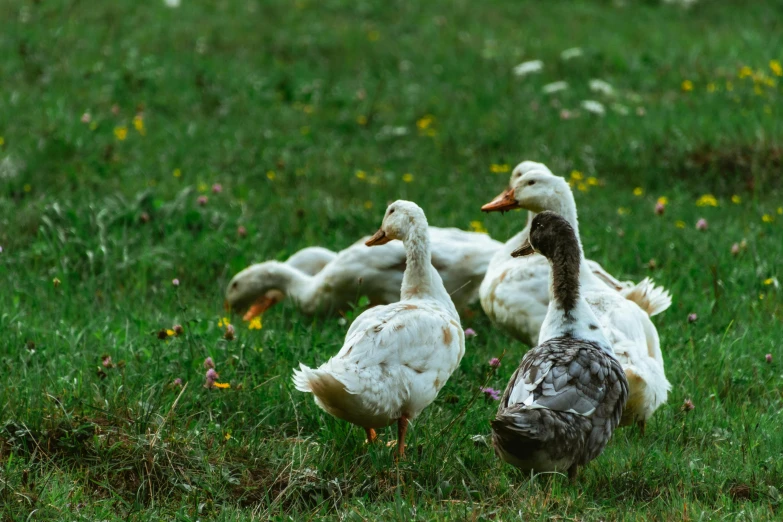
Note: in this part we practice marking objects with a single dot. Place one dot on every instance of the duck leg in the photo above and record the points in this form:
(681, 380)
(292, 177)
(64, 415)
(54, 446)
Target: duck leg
(572, 473)
(371, 435)
(641, 424)
(402, 428)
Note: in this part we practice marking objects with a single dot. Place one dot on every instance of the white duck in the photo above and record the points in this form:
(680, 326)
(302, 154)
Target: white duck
(514, 292)
(310, 261)
(397, 357)
(460, 257)
(563, 403)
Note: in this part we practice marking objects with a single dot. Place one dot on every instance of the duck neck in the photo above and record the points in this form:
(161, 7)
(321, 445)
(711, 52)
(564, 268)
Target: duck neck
(565, 205)
(418, 268)
(291, 282)
(565, 262)
(569, 315)
(421, 280)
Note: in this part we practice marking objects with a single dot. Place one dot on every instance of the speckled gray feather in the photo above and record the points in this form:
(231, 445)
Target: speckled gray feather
(569, 416)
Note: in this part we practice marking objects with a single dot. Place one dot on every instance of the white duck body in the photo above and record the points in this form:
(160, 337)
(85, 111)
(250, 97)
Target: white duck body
(397, 357)
(514, 291)
(518, 300)
(563, 403)
(460, 257)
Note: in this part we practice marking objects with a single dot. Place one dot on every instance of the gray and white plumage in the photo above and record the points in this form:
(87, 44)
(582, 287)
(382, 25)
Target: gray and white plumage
(566, 398)
(561, 406)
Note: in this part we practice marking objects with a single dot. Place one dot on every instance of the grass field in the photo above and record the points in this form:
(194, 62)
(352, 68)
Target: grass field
(115, 117)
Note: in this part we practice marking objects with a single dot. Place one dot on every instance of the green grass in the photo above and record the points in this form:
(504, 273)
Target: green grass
(232, 91)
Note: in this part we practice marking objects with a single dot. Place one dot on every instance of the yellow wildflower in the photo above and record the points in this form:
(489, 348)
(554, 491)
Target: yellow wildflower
(679, 224)
(224, 321)
(581, 187)
(255, 323)
(361, 119)
(638, 191)
(622, 211)
(707, 200)
(27, 187)
(776, 68)
(736, 199)
(745, 71)
(202, 187)
(177, 173)
(121, 133)
(227, 436)
(222, 385)
(711, 87)
(769, 82)
(425, 122)
(170, 333)
(663, 200)
(93, 125)
(761, 297)
(576, 175)
(270, 174)
(592, 181)
(768, 281)
(407, 177)
(138, 124)
(766, 218)
(368, 204)
(780, 210)
(373, 35)
(499, 168)
(687, 86)
(478, 226)
(361, 174)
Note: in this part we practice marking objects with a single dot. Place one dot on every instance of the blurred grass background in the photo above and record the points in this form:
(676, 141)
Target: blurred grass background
(312, 116)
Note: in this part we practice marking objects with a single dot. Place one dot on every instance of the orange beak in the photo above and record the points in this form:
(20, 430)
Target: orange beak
(379, 238)
(263, 304)
(502, 202)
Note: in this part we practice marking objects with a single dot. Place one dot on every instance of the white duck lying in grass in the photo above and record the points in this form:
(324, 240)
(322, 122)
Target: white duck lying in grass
(514, 294)
(563, 403)
(397, 357)
(460, 257)
(310, 261)
(514, 291)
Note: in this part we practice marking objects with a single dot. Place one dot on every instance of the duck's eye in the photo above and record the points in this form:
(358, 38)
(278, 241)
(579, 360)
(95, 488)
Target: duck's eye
(391, 212)
(531, 182)
(235, 285)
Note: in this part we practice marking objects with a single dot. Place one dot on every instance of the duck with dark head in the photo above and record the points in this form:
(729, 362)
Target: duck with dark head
(563, 403)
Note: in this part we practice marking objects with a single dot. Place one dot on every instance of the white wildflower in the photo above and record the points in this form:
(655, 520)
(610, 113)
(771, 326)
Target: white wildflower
(620, 109)
(171, 3)
(573, 52)
(601, 86)
(554, 87)
(525, 68)
(594, 107)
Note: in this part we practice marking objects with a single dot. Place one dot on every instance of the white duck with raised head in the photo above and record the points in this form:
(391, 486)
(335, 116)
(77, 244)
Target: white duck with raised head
(396, 357)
